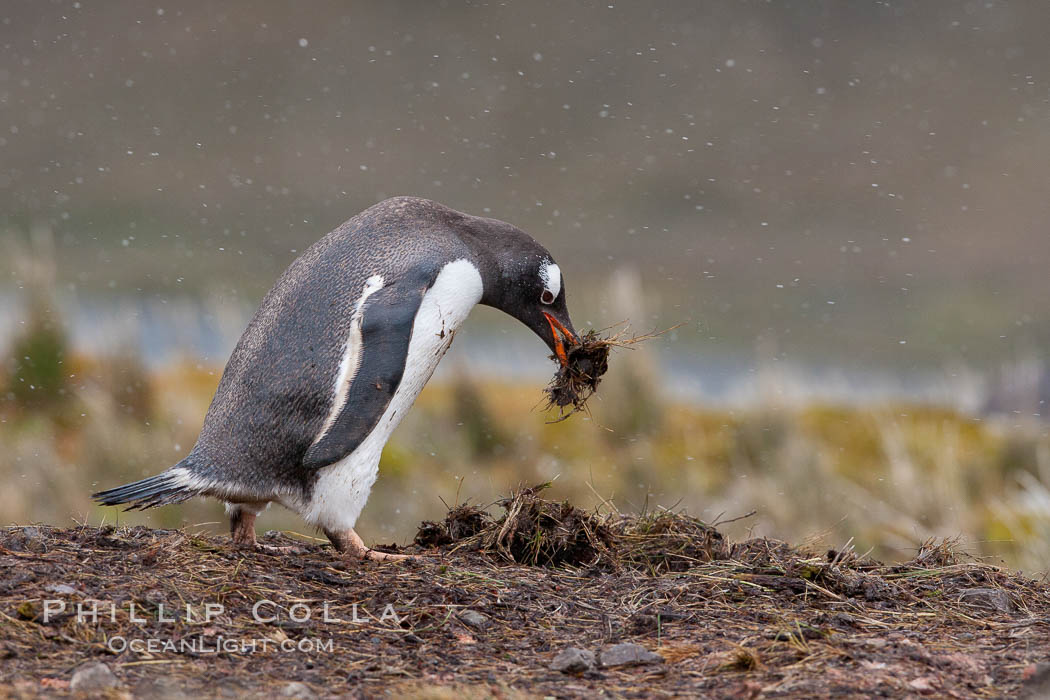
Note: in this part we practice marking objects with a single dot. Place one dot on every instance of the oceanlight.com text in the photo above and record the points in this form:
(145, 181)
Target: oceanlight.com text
(220, 645)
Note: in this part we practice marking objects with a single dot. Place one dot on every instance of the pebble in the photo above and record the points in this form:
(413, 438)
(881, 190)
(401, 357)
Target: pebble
(472, 618)
(628, 654)
(990, 598)
(93, 677)
(573, 660)
(295, 689)
(60, 588)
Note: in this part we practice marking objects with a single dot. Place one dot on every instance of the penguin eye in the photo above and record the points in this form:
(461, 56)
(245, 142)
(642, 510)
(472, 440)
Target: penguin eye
(547, 297)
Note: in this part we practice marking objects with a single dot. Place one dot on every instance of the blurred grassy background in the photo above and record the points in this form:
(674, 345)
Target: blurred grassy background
(844, 203)
(884, 476)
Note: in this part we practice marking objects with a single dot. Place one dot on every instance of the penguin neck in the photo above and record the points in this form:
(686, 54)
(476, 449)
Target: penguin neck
(492, 279)
(500, 252)
(493, 269)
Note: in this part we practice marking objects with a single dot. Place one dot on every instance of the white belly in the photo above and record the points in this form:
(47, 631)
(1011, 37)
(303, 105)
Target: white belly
(342, 488)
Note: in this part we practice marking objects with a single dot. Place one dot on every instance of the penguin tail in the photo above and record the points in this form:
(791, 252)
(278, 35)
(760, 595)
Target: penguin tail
(173, 485)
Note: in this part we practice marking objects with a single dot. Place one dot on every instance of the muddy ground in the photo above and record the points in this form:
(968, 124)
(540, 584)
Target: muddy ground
(749, 619)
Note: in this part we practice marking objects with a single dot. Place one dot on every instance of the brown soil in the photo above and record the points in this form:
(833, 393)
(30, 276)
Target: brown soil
(757, 618)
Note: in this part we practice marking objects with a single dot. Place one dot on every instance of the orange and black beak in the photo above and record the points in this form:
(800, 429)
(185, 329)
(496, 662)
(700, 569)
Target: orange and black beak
(557, 327)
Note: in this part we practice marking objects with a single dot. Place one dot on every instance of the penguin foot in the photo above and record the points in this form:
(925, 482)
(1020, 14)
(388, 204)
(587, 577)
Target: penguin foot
(242, 531)
(242, 528)
(351, 544)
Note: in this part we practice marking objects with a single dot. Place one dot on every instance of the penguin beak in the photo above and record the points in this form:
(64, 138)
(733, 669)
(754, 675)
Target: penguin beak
(559, 346)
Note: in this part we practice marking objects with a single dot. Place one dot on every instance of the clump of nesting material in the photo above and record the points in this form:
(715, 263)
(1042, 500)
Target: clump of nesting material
(460, 522)
(531, 531)
(665, 541)
(577, 380)
(545, 533)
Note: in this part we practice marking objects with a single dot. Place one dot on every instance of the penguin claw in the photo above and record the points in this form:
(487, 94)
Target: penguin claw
(350, 544)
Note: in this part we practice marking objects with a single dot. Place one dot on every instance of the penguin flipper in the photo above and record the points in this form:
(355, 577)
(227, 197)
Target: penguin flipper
(386, 331)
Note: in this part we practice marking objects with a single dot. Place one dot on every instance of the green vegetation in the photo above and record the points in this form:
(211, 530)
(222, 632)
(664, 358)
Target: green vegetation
(36, 378)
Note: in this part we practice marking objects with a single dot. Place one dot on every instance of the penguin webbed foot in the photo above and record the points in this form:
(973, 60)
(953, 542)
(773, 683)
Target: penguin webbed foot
(242, 528)
(242, 531)
(350, 544)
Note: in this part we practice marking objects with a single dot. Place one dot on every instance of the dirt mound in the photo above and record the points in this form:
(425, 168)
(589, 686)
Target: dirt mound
(538, 532)
(531, 531)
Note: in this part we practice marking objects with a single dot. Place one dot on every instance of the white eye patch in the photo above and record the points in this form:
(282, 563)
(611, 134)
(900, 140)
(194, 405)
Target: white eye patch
(550, 275)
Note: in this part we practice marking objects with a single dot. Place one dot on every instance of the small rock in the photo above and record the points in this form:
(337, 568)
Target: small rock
(629, 655)
(990, 598)
(295, 689)
(60, 589)
(93, 677)
(573, 660)
(472, 618)
(924, 684)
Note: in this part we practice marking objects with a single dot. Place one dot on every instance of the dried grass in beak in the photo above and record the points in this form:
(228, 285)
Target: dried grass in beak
(581, 371)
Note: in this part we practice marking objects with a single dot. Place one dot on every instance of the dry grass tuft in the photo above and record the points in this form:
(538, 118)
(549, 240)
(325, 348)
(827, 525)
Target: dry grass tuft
(664, 542)
(537, 532)
(937, 553)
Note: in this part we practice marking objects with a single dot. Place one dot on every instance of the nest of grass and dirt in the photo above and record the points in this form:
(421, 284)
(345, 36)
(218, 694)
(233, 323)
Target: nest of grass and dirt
(539, 598)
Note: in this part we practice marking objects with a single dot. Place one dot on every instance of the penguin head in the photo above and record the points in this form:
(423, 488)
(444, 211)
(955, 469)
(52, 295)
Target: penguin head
(529, 287)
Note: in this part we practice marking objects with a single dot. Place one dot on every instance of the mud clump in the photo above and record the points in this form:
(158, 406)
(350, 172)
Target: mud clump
(576, 381)
(545, 533)
(531, 531)
(586, 362)
(461, 522)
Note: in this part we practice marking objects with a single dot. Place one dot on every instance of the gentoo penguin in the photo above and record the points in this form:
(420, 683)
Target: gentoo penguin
(337, 353)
